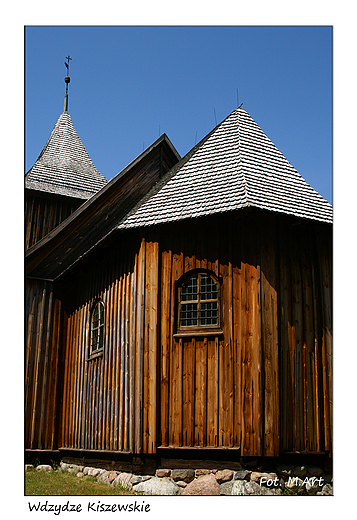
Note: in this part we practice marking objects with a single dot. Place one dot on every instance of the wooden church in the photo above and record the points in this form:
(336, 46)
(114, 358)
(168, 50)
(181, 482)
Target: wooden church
(184, 307)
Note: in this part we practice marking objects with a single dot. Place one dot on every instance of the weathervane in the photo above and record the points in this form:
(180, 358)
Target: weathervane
(67, 79)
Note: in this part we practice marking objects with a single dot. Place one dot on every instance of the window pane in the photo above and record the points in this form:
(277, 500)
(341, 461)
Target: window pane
(189, 290)
(209, 313)
(101, 312)
(188, 314)
(208, 289)
(97, 328)
(101, 337)
(93, 340)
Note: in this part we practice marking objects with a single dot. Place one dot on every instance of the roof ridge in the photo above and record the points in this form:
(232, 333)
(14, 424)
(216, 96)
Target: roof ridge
(236, 165)
(170, 174)
(239, 159)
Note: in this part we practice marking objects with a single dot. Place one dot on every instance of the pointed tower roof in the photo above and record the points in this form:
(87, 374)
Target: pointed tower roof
(64, 166)
(235, 166)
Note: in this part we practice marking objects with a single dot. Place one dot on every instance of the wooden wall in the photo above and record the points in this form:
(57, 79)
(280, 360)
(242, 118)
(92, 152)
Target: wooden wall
(265, 384)
(262, 383)
(211, 391)
(43, 336)
(44, 212)
(305, 342)
(109, 401)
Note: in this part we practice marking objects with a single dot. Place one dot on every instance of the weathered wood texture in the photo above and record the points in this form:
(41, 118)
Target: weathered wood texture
(41, 364)
(305, 337)
(43, 212)
(100, 214)
(109, 401)
(262, 383)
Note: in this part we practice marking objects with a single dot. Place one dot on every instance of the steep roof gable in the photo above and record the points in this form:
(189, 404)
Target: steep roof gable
(235, 166)
(64, 166)
(96, 218)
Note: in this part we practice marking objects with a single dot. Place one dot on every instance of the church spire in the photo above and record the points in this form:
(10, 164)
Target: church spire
(67, 79)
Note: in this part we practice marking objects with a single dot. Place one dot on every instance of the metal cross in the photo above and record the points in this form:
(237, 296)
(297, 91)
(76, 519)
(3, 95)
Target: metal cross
(67, 64)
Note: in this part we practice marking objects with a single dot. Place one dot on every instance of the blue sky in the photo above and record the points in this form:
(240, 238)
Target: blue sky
(128, 84)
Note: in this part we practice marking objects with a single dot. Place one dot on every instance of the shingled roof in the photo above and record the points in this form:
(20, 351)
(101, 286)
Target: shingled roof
(64, 166)
(235, 166)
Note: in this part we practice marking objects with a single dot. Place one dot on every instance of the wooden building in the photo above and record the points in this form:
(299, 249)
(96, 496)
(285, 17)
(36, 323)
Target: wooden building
(186, 305)
(62, 178)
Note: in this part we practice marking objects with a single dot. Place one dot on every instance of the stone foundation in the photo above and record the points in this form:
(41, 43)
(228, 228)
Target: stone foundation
(285, 480)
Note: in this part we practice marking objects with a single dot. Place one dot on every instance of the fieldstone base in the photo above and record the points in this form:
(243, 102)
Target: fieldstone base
(285, 480)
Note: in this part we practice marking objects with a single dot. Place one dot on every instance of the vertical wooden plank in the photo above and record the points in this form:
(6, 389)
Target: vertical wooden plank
(116, 353)
(69, 404)
(31, 305)
(84, 368)
(297, 323)
(176, 394)
(216, 395)
(201, 393)
(46, 374)
(212, 391)
(85, 349)
(317, 346)
(73, 380)
(127, 362)
(237, 335)
(270, 337)
(251, 341)
(51, 393)
(122, 366)
(324, 242)
(37, 361)
(111, 357)
(309, 344)
(79, 376)
(150, 345)
(66, 383)
(133, 308)
(226, 408)
(139, 426)
(175, 387)
(166, 258)
(188, 391)
(287, 354)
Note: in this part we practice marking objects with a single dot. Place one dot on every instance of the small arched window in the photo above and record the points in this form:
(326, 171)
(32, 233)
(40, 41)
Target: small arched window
(97, 328)
(198, 299)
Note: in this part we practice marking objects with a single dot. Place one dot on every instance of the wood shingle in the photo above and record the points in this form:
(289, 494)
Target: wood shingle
(234, 167)
(64, 166)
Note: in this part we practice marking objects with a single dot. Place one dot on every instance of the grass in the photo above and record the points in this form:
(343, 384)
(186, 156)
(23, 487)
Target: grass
(63, 483)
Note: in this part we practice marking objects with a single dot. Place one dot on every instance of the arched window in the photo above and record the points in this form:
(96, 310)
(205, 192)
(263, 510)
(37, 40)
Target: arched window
(198, 299)
(97, 328)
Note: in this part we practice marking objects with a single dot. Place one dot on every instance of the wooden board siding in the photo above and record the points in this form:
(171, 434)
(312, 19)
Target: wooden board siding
(202, 374)
(109, 400)
(261, 383)
(101, 213)
(43, 212)
(270, 336)
(41, 364)
(305, 332)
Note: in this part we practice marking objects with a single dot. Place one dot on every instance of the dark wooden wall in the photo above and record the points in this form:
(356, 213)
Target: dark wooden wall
(105, 397)
(43, 212)
(263, 384)
(42, 369)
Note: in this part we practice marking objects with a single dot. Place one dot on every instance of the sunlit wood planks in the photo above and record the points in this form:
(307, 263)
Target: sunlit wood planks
(261, 382)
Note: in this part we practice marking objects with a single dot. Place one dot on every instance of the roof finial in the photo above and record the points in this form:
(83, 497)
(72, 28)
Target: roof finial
(67, 79)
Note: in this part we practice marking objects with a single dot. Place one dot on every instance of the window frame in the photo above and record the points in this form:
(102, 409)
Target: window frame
(216, 327)
(93, 353)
